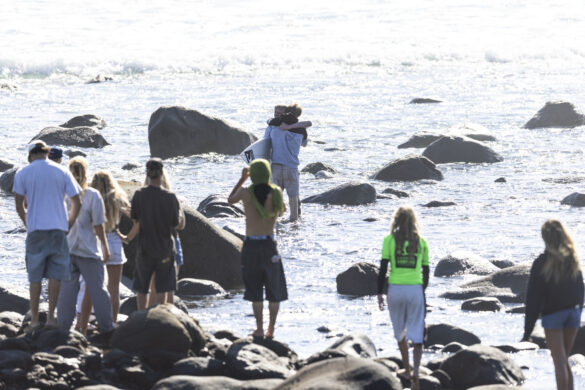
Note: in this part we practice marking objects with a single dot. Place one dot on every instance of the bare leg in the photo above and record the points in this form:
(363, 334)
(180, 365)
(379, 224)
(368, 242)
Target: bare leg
(54, 286)
(258, 307)
(294, 208)
(556, 343)
(273, 312)
(141, 301)
(416, 357)
(169, 297)
(152, 296)
(35, 297)
(403, 347)
(569, 335)
(85, 312)
(160, 298)
(114, 276)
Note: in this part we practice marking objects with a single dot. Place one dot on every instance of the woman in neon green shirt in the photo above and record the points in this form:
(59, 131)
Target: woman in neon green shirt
(408, 255)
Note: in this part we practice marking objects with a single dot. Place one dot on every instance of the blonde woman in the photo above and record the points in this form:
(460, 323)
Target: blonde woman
(555, 291)
(87, 257)
(408, 255)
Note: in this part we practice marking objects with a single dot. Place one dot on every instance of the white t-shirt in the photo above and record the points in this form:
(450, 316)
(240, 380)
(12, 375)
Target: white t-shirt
(44, 184)
(82, 239)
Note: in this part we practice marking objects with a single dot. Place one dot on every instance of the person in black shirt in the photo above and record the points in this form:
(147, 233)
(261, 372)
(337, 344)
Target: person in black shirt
(555, 291)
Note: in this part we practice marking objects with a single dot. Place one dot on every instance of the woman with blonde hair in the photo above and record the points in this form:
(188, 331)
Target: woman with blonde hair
(87, 257)
(407, 253)
(555, 291)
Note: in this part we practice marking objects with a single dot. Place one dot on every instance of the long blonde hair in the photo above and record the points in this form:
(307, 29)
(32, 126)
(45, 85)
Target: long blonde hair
(561, 260)
(78, 168)
(405, 228)
(115, 199)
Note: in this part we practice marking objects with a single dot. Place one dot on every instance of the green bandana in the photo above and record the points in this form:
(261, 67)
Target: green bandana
(260, 174)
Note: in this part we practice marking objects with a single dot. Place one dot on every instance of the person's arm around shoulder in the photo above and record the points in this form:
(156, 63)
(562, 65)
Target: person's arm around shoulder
(236, 194)
(303, 124)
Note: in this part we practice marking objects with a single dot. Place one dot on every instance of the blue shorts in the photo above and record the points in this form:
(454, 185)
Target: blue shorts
(47, 255)
(569, 318)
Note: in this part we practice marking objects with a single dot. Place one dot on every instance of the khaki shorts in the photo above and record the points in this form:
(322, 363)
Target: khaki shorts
(286, 178)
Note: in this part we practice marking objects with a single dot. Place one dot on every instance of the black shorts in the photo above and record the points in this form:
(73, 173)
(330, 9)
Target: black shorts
(262, 267)
(165, 276)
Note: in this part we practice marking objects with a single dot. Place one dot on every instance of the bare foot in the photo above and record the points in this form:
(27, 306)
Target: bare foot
(51, 323)
(404, 374)
(415, 384)
(269, 333)
(258, 333)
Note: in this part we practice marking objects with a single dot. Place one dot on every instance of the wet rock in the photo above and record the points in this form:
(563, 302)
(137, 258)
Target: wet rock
(481, 365)
(516, 310)
(8, 330)
(226, 334)
(471, 130)
(15, 359)
(15, 343)
(140, 334)
(100, 78)
(389, 363)
(74, 153)
(129, 305)
(408, 168)
(216, 206)
(453, 347)
(482, 304)
(517, 347)
(239, 235)
(508, 285)
(182, 382)
(188, 288)
(399, 194)
(209, 252)
(424, 101)
(217, 348)
(323, 175)
(370, 219)
(443, 378)
(360, 279)
(57, 362)
(98, 387)
(436, 203)
(579, 345)
(421, 139)
(556, 114)
(47, 339)
(463, 263)
(247, 360)
(7, 179)
(501, 264)
(5, 165)
(342, 373)
(13, 301)
(68, 352)
(576, 199)
(82, 137)
(130, 166)
(428, 382)
(11, 318)
(500, 180)
(355, 344)
(178, 131)
(198, 366)
(316, 167)
(445, 334)
(8, 87)
(350, 194)
(87, 120)
(460, 149)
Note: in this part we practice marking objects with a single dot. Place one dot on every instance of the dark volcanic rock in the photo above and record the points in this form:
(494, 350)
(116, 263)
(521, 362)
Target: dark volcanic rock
(462, 263)
(460, 149)
(399, 194)
(317, 167)
(178, 131)
(408, 168)
(216, 206)
(11, 301)
(74, 153)
(5, 165)
(444, 334)
(82, 137)
(355, 344)
(360, 279)
(482, 304)
(130, 166)
(183, 382)
(424, 101)
(87, 120)
(576, 199)
(420, 139)
(436, 203)
(7, 179)
(500, 180)
(187, 288)
(246, 360)
(556, 114)
(481, 365)
(198, 366)
(351, 194)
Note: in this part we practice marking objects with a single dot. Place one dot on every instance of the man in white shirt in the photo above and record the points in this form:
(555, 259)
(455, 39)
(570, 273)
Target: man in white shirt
(40, 189)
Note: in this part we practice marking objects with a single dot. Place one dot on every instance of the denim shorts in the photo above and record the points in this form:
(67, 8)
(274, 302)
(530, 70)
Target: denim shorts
(569, 318)
(47, 255)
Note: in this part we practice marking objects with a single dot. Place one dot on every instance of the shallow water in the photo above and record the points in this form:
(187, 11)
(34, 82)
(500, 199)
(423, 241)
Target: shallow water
(353, 67)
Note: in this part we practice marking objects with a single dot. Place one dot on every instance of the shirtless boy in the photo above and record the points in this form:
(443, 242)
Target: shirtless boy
(261, 263)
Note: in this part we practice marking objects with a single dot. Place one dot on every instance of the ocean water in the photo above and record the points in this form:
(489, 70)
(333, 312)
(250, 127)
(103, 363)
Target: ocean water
(353, 66)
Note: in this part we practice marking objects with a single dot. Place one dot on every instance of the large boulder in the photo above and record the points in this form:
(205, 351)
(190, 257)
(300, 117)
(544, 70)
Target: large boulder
(179, 131)
(141, 332)
(351, 194)
(87, 120)
(556, 114)
(209, 252)
(189, 288)
(184, 382)
(481, 365)
(576, 199)
(453, 149)
(360, 279)
(216, 206)
(12, 299)
(82, 136)
(444, 334)
(356, 345)
(5, 165)
(247, 360)
(508, 285)
(318, 167)
(461, 263)
(482, 304)
(422, 139)
(7, 179)
(343, 373)
(198, 366)
(408, 168)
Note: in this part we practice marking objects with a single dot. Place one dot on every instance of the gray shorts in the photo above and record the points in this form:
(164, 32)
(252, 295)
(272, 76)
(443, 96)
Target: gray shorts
(47, 255)
(286, 178)
(406, 304)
